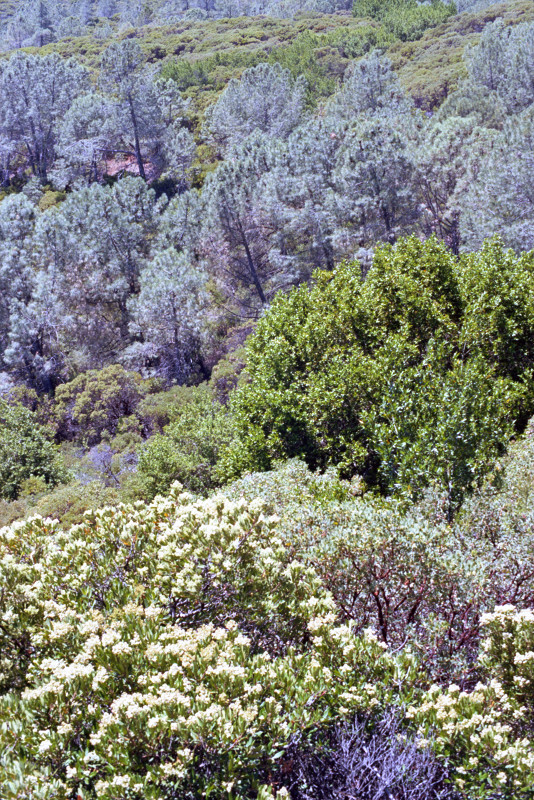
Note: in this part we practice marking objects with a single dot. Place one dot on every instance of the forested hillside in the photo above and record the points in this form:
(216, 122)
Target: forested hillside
(266, 400)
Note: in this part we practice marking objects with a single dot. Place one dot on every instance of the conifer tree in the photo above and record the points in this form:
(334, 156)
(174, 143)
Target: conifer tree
(35, 94)
(266, 98)
(501, 200)
(123, 74)
(168, 314)
(239, 235)
(89, 131)
(370, 87)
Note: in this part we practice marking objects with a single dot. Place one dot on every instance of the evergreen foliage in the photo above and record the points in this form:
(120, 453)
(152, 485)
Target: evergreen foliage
(188, 449)
(394, 378)
(352, 614)
(406, 19)
(265, 99)
(26, 451)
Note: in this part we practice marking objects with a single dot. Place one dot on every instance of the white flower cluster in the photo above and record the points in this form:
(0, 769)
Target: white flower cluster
(164, 668)
(485, 724)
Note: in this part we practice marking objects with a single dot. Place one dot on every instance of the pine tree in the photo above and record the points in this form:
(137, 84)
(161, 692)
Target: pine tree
(238, 234)
(89, 254)
(17, 222)
(35, 94)
(89, 131)
(370, 87)
(503, 61)
(169, 313)
(374, 177)
(501, 199)
(266, 98)
(123, 73)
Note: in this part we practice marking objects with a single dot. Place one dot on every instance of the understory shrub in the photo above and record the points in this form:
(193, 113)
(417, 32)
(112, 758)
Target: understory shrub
(405, 19)
(93, 404)
(167, 650)
(404, 571)
(180, 649)
(188, 448)
(26, 451)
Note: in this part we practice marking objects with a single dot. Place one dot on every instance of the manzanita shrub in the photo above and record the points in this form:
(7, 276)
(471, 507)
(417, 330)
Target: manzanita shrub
(403, 570)
(168, 651)
(183, 650)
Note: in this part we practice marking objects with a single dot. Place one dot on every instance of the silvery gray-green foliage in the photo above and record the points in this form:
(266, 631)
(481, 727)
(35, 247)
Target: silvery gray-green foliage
(300, 188)
(35, 94)
(17, 221)
(123, 74)
(448, 158)
(369, 87)
(490, 190)
(33, 23)
(474, 101)
(105, 275)
(172, 107)
(503, 61)
(374, 171)
(241, 243)
(346, 179)
(135, 12)
(501, 200)
(487, 62)
(88, 256)
(169, 313)
(405, 572)
(179, 151)
(106, 8)
(179, 225)
(265, 99)
(35, 353)
(148, 111)
(88, 132)
(374, 178)
(473, 5)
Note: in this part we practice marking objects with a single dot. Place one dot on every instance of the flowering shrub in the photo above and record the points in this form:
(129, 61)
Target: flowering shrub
(487, 729)
(187, 648)
(168, 651)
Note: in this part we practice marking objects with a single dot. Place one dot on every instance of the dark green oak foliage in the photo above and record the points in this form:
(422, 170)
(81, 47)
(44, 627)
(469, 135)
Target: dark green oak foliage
(415, 376)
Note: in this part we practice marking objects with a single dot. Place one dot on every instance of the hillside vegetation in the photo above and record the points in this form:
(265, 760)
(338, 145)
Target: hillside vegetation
(266, 400)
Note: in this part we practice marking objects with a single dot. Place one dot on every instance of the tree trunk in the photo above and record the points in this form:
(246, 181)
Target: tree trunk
(136, 138)
(252, 267)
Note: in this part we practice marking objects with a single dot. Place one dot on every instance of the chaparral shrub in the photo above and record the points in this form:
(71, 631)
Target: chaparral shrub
(415, 376)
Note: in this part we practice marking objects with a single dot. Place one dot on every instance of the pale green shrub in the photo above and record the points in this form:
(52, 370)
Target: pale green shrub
(166, 651)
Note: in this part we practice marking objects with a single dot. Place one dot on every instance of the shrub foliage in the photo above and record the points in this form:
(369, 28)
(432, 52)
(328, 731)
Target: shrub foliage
(407, 378)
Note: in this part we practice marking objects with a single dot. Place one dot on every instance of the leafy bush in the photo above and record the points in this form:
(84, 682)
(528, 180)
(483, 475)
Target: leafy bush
(180, 650)
(359, 42)
(482, 726)
(68, 503)
(406, 19)
(403, 571)
(26, 451)
(300, 58)
(205, 71)
(398, 378)
(169, 650)
(189, 447)
(93, 403)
